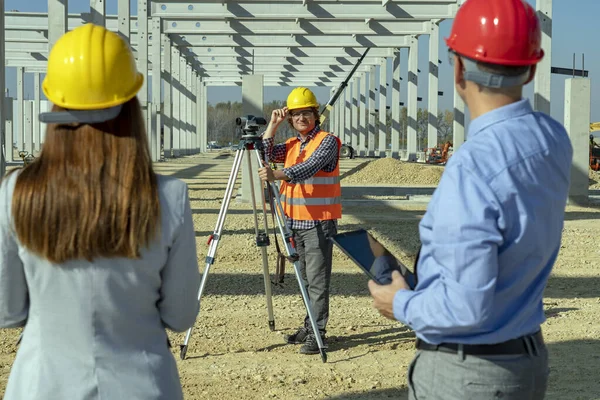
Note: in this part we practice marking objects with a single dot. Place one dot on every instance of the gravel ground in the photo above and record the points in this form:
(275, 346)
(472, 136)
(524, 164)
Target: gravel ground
(234, 355)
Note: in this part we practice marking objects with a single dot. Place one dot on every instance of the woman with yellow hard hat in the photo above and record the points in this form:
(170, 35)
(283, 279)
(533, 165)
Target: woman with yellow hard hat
(97, 252)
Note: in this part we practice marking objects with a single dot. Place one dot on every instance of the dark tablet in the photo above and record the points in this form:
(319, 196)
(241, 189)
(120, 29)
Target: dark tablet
(372, 257)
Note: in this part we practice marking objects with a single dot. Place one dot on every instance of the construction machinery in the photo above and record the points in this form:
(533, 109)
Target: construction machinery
(595, 146)
(439, 154)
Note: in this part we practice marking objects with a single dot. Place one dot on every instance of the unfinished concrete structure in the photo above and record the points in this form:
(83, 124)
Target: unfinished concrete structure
(285, 42)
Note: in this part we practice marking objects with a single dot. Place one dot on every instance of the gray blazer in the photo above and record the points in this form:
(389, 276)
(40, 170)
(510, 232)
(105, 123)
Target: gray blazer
(97, 330)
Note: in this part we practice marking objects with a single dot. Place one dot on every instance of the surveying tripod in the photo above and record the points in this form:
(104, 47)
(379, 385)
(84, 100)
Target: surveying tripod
(252, 142)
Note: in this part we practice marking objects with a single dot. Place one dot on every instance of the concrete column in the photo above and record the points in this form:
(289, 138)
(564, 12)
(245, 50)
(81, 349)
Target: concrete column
(28, 125)
(184, 108)
(7, 114)
(155, 136)
(57, 20)
(252, 104)
(142, 51)
(193, 113)
(199, 119)
(371, 113)
(348, 119)
(396, 105)
(458, 125)
(98, 10)
(363, 112)
(411, 135)
(124, 16)
(20, 108)
(167, 110)
(189, 105)
(577, 123)
(6, 147)
(382, 148)
(543, 75)
(341, 115)
(176, 97)
(432, 98)
(333, 114)
(37, 125)
(355, 98)
(204, 121)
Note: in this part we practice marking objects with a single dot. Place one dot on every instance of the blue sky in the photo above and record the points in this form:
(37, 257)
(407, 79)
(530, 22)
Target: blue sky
(574, 31)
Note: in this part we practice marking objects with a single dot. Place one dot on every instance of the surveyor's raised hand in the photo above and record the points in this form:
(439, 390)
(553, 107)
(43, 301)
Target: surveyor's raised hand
(278, 115)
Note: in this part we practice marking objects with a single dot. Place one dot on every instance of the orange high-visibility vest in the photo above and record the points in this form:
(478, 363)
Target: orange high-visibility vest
(316, 198)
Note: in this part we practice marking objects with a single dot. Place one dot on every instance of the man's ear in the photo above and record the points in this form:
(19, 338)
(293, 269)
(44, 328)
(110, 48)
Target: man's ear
(531, 74)
(459, 72)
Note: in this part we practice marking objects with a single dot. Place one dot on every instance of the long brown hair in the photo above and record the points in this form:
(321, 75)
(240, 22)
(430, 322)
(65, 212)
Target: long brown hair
(91, 193)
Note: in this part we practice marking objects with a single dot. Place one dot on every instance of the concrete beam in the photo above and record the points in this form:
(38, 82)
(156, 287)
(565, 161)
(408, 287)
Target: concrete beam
(292, 9)
(250, 27)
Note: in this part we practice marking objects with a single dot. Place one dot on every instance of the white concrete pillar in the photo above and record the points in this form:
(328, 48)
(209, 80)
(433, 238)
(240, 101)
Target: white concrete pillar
(252, 104)
(155, 136)
(348, 118)
(577, 123)
(543, 75)
(413, 64)
(124, 16)
(189, 105)
(458, 125)
(28, 125)
(9, 128)
(176, 99)
(395, 140)
(98, 11)
(142, 51)
(6, 147)
(363, 112)
(57, 20)
(20, 108)
(167, 110)
(204, 121)
(355, 112)
(382, 148)
(37, 125)
(184, 108)
(371, 113)
(432, 97)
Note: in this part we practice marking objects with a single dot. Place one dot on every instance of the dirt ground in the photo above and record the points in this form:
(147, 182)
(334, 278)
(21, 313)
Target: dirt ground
(234, 355)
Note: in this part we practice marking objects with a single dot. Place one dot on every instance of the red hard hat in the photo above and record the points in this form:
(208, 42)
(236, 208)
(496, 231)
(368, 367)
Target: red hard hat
(505, 32)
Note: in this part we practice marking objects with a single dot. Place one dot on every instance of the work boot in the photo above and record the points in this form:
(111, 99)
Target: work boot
(311, 346)
(298, 337)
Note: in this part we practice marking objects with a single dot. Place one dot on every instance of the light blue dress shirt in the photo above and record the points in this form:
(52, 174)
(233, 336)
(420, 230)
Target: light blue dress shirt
(492, 231)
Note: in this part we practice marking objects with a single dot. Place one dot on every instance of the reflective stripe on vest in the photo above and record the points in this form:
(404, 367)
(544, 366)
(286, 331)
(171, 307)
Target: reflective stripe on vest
(300, 201)
(321, 180)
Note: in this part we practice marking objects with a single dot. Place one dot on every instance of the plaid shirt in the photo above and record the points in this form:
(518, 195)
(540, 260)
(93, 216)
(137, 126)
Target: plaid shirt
(324, 158)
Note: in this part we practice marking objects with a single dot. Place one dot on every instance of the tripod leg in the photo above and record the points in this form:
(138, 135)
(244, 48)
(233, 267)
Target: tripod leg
(215, 237)
(262, 240)
(286, 235)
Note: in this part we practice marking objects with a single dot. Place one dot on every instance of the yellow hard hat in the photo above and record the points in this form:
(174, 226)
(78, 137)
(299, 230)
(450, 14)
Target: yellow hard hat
(301, 97)
(91, 68)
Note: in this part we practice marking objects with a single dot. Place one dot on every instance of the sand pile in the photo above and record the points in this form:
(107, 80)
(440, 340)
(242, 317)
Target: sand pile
(594, 180)
(391, 171)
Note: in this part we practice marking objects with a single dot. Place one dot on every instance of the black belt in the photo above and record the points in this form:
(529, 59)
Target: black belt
(514, 346)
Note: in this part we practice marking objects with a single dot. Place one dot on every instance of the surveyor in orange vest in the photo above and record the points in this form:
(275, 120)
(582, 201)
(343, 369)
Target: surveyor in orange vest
(310, 196)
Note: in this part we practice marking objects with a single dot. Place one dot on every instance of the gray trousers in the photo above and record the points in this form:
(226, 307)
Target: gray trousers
(434, 375)
(315, 251)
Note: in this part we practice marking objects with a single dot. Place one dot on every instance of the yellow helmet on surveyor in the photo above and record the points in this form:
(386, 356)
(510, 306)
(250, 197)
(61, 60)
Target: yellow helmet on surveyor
(301, 97)
(91, 73)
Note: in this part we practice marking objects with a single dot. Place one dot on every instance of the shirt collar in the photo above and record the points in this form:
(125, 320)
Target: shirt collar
(310, 134)
(512, 110)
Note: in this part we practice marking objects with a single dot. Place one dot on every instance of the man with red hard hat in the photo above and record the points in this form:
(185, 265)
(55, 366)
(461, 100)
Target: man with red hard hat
(492, 230)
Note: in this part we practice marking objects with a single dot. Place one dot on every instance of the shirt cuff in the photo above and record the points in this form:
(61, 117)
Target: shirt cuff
(289, 173)
(401, 298)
